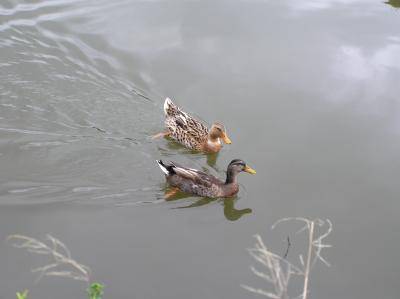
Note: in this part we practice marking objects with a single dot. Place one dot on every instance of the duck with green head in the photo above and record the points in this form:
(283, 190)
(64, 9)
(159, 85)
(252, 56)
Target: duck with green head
(197, 182)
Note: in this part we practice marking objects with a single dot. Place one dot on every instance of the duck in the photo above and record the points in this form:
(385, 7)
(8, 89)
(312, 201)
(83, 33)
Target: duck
(197, 182)
(192, 133)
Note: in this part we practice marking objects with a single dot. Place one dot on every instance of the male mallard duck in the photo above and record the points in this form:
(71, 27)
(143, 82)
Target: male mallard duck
(190, 132)
(200, 183)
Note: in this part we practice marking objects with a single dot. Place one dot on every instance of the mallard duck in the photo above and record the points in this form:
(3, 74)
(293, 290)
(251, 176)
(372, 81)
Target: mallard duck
(200, 183)
(190, 132)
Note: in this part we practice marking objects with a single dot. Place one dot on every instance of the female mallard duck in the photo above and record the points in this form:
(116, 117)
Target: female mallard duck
(200, 183)
(190, 132)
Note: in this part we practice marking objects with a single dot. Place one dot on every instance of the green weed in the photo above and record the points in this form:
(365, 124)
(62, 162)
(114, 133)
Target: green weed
(23, 295)
(95, 291)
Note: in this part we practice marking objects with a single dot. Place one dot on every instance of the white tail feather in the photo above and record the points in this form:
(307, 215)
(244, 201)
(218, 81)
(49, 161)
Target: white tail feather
(165, 170)
(168, 102)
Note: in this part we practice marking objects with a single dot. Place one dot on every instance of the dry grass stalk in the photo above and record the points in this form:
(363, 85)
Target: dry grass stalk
(59, 253)
(279, 271)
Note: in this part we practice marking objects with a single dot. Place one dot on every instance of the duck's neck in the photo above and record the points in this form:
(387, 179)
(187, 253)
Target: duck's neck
(213, 146)
(230, 177)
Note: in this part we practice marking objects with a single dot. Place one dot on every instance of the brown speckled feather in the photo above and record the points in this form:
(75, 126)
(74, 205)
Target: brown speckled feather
(184, 128)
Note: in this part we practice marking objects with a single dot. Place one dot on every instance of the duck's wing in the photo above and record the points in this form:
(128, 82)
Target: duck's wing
(197, 176)
(184, 120)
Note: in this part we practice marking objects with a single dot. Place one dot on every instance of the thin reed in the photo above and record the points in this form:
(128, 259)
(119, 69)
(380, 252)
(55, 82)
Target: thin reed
(61, 263)
(278, 271)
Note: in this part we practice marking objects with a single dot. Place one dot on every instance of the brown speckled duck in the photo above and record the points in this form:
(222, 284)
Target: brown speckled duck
(200, 183)
(190, 132)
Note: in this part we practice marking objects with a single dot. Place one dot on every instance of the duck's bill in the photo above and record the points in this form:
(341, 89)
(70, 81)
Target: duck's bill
(226, 139)
(249, 170)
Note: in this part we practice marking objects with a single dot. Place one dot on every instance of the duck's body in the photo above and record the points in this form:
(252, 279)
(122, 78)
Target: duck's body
(200, 183)
(190, 132)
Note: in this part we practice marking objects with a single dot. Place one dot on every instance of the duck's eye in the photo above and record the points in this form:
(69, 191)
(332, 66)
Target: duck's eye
(219, 129)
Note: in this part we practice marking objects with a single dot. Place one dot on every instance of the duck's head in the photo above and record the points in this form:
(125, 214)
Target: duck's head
(218, 131)
(234, 168)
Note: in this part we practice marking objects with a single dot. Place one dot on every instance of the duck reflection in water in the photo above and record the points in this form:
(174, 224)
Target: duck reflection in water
(230, 212)
(172, 146)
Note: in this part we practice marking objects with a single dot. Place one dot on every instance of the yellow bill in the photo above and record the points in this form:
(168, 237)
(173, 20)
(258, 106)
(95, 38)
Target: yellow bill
(249, 170)
(226, 139)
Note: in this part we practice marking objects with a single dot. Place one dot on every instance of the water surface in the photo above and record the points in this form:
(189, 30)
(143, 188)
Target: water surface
(307, 89)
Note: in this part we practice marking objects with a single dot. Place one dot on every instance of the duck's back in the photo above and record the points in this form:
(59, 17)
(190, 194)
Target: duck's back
(197, 182)
(183, 127)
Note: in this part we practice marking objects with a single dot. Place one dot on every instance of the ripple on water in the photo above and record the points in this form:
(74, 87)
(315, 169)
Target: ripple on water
(69, 116)
(87, 189)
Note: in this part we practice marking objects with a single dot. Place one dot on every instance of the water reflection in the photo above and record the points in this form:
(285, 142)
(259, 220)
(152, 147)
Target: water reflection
(68, 73)
(356, 69)
(394, 3)
(212, 159)
(230, 212)
(357, 63)
(173, 148)
(314, 5)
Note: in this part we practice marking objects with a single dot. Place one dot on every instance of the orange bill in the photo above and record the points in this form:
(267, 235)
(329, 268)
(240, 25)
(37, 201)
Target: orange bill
(226, 139)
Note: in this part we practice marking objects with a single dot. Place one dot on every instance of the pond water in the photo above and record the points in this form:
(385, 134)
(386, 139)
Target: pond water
(308, 91)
